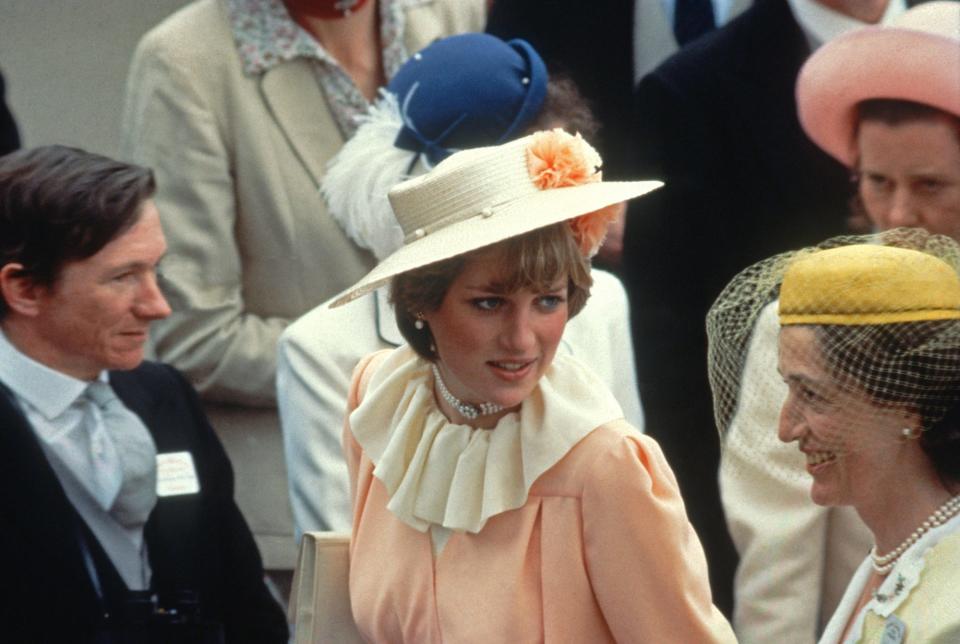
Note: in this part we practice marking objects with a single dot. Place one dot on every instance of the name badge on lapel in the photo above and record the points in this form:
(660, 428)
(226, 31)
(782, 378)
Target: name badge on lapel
(176, 474)
(894, 631)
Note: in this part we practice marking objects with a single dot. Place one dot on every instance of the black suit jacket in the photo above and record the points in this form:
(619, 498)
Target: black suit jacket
(717, 122)
(199, 542)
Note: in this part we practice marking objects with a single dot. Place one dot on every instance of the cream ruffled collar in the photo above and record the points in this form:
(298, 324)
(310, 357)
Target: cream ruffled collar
(439, 473)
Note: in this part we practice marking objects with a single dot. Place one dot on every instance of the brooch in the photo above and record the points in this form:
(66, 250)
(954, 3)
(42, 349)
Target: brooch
(897, 589)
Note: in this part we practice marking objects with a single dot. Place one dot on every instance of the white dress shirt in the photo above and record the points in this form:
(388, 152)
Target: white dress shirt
(81, 452)
(821, 24)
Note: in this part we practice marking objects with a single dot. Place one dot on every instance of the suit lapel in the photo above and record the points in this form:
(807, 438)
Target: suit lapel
(761, 87)
(29, 472)
(31, 493)
(171, 532)
(298, 107)
(136, 398)
(788, 168)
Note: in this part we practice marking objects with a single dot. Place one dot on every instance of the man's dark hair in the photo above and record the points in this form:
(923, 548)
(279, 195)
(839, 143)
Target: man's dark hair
(60, 204)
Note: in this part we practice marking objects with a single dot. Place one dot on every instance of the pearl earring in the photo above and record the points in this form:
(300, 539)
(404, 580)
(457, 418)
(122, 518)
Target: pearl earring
(909, 433)
(418, 324)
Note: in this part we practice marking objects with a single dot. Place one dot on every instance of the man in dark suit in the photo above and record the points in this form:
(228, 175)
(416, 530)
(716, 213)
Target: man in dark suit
(116, 498)
(717, 122)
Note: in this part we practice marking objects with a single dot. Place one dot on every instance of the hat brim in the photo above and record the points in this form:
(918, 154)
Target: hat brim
(509, 220)
(871, 63)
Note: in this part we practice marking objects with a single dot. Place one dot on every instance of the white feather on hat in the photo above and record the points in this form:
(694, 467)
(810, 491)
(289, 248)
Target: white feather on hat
(370, 161)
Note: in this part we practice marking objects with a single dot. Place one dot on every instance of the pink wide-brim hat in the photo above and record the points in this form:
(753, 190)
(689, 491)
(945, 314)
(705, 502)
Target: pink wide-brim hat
(915, 58)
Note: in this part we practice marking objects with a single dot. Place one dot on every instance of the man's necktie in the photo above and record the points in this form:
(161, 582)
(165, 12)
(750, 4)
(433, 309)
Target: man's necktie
(692, 18)
(137, 455)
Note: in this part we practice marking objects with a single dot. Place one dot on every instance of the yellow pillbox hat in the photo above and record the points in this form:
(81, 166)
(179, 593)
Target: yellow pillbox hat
(868, 284)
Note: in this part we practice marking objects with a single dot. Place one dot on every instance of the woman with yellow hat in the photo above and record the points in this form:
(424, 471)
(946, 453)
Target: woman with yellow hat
(498, 493)
(869, 348)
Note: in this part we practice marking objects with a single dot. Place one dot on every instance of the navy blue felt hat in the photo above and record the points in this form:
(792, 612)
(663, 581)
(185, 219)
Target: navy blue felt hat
(467, 91)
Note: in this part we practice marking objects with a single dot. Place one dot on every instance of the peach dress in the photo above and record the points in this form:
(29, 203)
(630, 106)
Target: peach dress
(561, 524)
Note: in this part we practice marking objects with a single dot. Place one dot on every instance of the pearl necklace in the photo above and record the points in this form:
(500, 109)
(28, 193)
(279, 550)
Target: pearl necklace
(884, 564)
(467, 410)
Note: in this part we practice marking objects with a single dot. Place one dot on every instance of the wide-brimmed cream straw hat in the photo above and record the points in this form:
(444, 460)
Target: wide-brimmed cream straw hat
(914, 58)
(481, 196)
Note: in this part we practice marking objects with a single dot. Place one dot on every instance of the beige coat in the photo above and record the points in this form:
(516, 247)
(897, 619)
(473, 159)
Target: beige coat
(238, 160)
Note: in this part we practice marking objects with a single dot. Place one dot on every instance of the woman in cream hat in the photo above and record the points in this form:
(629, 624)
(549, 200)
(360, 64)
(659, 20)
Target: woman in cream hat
(498, 494)
(885, 101)
(869, 348)
(429, 110)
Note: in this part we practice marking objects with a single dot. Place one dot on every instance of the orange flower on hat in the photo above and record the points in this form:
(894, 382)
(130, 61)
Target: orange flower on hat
(557, 159)
(590, 230)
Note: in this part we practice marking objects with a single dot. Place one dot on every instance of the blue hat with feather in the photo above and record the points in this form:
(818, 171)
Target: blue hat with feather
(459, 92)
(467, 91)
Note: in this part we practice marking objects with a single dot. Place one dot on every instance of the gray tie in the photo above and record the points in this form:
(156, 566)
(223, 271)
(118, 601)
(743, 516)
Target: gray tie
(136, 452)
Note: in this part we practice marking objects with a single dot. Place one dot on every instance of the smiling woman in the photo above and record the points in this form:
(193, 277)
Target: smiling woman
(514, 501)
(869, 349)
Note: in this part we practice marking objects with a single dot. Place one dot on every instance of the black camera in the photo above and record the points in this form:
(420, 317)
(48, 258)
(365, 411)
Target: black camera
(146, 618)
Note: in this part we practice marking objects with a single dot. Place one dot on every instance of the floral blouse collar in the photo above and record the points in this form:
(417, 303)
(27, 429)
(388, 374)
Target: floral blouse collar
(266, 35)
(439, 473)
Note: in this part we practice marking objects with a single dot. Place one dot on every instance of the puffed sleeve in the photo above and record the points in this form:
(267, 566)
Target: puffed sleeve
(646, 565)
(171, 124)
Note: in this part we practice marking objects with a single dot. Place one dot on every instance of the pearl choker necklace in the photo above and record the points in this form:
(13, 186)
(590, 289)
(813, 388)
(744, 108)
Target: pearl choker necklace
(883, 565)
(467, 410)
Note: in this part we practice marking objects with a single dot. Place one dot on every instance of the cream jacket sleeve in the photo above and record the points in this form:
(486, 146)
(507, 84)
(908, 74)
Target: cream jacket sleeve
(316, 357)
